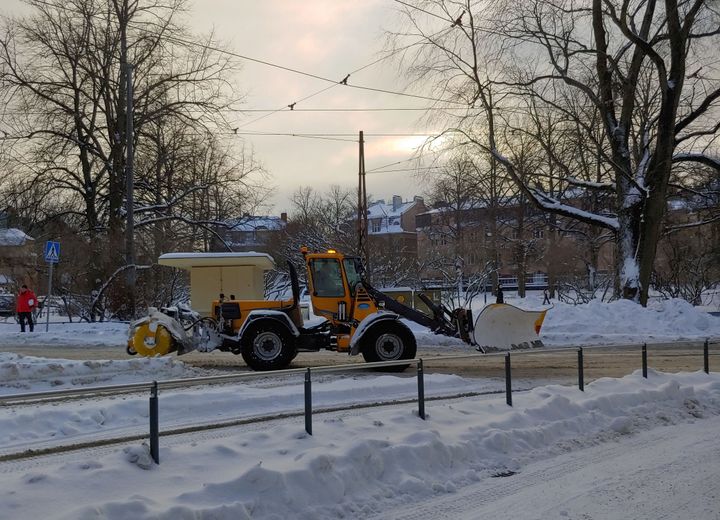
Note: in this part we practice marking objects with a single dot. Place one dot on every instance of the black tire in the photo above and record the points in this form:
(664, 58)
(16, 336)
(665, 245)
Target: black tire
(268, 345)
(388, 341)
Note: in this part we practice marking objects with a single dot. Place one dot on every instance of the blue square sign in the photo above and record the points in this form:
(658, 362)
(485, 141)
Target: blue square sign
(52, 252)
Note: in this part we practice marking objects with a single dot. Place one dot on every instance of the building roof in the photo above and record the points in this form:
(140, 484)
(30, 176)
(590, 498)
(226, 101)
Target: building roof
(390, 216)
(14, 237)
(252, 223)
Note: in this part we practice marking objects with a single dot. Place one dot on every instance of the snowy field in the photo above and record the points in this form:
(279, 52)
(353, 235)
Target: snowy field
(583, 456)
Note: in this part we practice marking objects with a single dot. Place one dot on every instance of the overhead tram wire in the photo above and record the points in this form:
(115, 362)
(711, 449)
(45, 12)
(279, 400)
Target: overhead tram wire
(425, 169)
(293, 70)
(308, 74)
(262, 62)
(284, 108)
(397, 163)
(323, 137)
(274, 110)
(291, 106)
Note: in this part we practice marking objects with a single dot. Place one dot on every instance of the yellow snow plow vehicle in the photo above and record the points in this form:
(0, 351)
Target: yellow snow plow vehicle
(359, 320)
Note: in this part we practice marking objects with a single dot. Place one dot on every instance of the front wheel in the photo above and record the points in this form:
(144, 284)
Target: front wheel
(268, 346)
(389, 341)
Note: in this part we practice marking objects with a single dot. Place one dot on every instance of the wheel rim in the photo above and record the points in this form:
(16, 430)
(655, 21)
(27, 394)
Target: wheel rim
(388, 347)
(267, 346)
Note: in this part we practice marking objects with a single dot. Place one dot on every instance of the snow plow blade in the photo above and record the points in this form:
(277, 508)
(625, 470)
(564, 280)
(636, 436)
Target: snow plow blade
(504, 327)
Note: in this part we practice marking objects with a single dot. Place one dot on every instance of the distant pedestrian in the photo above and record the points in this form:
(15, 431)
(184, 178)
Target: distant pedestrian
(500, 296)
(26, 304)
(546, 297)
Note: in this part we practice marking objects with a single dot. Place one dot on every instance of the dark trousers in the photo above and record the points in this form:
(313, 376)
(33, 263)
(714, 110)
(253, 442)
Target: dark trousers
(22, 316)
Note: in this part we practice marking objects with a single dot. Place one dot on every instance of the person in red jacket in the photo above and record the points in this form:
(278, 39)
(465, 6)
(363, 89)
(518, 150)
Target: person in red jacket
(26, 304)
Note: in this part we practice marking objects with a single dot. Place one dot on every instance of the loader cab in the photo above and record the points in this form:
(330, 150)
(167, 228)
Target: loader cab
(333, 280)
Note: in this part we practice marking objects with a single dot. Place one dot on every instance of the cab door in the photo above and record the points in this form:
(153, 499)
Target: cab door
(328, 288)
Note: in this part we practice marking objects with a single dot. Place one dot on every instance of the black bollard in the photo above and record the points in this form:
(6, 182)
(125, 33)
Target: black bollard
(154, 428)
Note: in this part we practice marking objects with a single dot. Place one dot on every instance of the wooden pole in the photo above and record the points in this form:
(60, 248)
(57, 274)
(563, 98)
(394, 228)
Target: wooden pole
(363, 241)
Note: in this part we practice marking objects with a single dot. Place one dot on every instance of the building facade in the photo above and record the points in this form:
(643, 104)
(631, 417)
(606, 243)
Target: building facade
(520, 245)
(393, 239)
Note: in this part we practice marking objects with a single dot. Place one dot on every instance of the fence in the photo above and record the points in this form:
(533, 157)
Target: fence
(155, 386)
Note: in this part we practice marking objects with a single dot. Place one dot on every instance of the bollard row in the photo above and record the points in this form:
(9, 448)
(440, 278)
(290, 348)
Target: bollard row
(154, 416)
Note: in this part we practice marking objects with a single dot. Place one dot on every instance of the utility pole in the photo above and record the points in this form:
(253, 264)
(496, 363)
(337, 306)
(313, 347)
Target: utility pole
(363, 242)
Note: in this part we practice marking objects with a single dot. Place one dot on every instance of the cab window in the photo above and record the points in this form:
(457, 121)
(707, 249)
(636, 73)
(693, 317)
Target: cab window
(352, 273)
(327, 278)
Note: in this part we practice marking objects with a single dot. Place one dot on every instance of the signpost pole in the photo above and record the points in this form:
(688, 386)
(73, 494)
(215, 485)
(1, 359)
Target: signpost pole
(47, 298)
(52, 256)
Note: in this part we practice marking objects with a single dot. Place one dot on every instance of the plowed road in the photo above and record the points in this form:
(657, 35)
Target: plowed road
(557, 366)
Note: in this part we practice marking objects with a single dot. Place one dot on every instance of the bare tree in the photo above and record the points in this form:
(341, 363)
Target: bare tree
(641, 65)
(62, 80)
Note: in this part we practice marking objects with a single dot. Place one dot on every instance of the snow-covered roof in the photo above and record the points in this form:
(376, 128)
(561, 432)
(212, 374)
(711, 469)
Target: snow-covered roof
(257, 223)
(466, 206)
(13, 237)
(389, 215)
(189, 260)
(379, 209)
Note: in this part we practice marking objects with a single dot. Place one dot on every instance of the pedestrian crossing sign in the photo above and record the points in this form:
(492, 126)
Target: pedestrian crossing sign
(52, 252)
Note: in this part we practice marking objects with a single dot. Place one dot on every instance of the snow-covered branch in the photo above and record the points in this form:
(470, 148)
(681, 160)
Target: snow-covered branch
(551, 204)
(548, 203)
(713, 162)
(604, 186)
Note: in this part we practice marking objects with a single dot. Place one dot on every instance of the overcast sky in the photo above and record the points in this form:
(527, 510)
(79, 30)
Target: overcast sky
(329, 38)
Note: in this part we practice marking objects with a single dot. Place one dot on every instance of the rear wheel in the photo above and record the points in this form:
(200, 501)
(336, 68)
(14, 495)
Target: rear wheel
(389, 341)
(268, 346)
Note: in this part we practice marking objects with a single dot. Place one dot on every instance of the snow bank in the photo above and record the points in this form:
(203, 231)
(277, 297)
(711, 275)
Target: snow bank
(27, 373)
(623, 321)
(36, 426)
(356, 465)
(602, 323)
(105, 334)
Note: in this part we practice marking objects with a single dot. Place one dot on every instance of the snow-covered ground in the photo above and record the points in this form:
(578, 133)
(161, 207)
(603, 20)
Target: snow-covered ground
(51, 424)
(595, 323)
(20, 374)
(363, 463)
(380, 463)
(82, 334)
